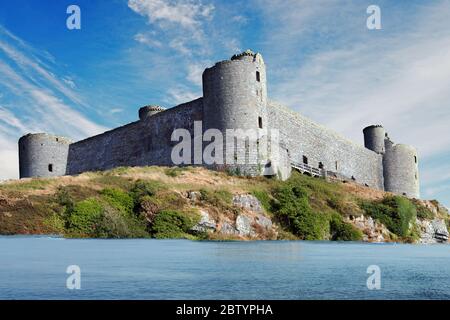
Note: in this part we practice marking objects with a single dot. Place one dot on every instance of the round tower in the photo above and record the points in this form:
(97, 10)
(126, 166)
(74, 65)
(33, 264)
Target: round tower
(374, 138)
(235, 97)
(148, 111)
(235, 93)
(42, 155)
(400, 170)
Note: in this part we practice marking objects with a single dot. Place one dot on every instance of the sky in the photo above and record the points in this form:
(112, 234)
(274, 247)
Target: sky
(321, 61)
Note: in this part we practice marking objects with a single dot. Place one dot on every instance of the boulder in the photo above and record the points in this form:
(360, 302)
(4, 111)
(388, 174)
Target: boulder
(434, 231)
(244, 225)
(228, 229)
(206, 223)
(249, 202)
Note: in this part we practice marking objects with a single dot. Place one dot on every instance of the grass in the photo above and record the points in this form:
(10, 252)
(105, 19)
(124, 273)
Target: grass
(397, 213)
(32, 184)
(151, 202)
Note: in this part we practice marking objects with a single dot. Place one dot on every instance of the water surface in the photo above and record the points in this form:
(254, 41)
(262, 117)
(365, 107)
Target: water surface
(35, 268)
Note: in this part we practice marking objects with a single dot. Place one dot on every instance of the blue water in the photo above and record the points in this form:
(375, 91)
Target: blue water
(35, 268)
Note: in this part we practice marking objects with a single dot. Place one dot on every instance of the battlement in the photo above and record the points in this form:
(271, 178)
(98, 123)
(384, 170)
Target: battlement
(150, 110)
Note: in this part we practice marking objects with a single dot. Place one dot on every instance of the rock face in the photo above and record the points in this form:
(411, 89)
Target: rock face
(206, 223)
(244, 225)
(373, 231)
(251, 222)
(434, 231)
(248, 202)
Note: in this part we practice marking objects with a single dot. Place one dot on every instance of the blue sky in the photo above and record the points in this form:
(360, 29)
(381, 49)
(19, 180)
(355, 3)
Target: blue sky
(321, 61)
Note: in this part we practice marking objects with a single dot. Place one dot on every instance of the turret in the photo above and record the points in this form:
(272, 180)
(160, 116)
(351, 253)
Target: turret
(42, 155)
(400, 169)
(235, 96)
(148, 111)
(235, 93)
(374, 138)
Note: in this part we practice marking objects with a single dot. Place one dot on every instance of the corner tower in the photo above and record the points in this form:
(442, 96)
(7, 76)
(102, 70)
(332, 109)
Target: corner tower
(400, 169)
(42, 155)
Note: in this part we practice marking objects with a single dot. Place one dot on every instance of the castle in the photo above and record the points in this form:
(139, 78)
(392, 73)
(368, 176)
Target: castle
(234, 97)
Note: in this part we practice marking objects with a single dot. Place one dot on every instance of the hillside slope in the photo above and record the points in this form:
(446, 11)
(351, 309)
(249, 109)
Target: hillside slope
(196, 203)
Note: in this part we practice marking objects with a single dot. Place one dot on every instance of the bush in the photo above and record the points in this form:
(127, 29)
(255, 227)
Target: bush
(293, 209)
(114, 224)
(222, 199)
(395, 212)
(174, 171)
(264, 198)
(343, 231)
(119, 199)
(422, 211)
(85, 216)
(172, 224)
(145, 188)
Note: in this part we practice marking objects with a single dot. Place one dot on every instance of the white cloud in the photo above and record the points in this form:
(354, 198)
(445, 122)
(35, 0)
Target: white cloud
(195, 71)
(181, 94)
(148, 40)
(179, 45)
(325, 64)
(38, 101)
(187, 14)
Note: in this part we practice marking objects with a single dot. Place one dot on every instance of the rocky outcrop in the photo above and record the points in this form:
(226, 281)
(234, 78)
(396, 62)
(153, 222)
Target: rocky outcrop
(250, 222)
(373, 231)
(206, 223)
(434, 231)
(244, 225)
(249, 202)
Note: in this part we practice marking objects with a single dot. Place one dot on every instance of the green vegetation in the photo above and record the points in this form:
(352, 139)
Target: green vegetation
(292, 207)
(174, 171)
(152, 202)
(221, 199)
(33, 184)
(397, 213)
(343, 231)
(422, 211)
(173, 224)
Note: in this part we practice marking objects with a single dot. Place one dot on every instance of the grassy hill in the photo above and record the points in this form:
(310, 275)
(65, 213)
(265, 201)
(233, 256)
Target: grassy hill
(158, 202)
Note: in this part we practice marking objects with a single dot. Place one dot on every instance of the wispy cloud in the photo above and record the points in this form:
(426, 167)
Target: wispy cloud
(38, 100)
(347, 77)
(187, 14)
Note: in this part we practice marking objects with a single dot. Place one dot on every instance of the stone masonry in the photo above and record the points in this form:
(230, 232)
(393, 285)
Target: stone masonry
(234, 97)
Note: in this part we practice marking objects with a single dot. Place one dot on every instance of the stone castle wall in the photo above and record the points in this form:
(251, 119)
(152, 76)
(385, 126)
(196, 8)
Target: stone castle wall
(234, 97)
(140, 143)
(303, 137)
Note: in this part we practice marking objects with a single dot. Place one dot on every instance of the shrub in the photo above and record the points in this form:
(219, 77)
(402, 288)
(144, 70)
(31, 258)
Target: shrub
(264, 198)
(222, 199)
(145, 188)
(343, 231)
(292, 207)
(85, 216)
(173, 172)
(422, 211)
(172, 224)
(119, 199)
(395, 212)
(114, 224)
